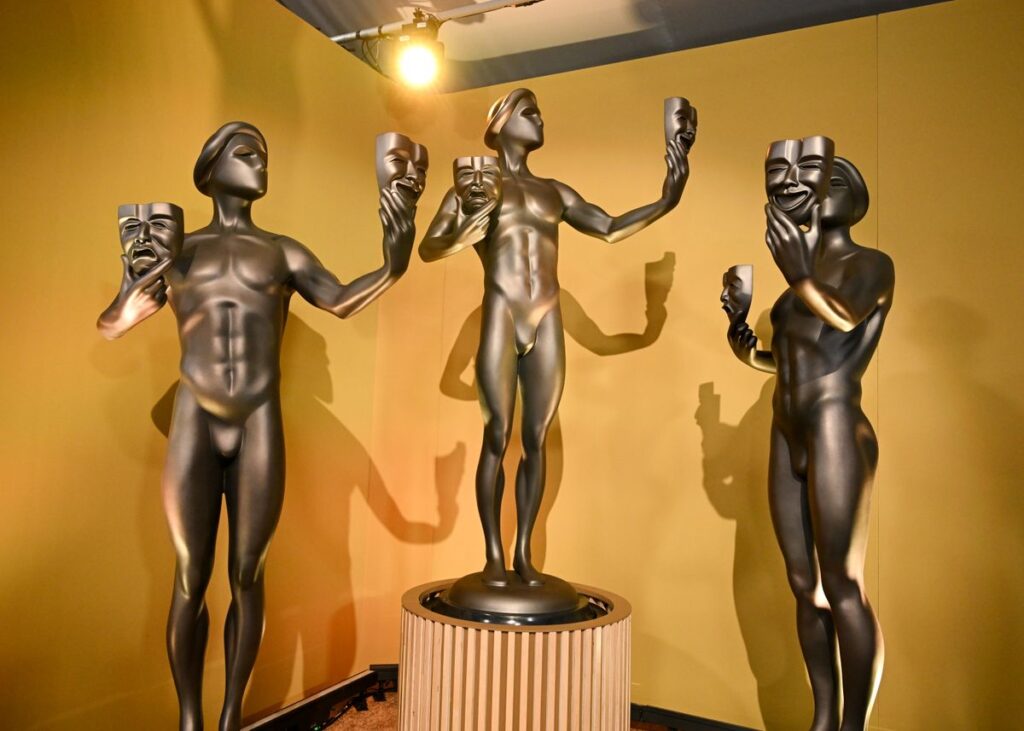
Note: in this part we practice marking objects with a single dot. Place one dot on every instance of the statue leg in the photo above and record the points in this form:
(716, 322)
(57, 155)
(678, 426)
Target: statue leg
(791, 517)
(254, 494)
(542, 375)
(842, 465)
(192, 495)
(496, 363)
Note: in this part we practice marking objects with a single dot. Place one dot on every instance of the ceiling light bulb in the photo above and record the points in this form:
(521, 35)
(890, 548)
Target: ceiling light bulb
(417, 64)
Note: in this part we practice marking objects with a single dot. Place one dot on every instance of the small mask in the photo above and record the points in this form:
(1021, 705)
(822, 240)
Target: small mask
(477, 182)
(797, 174)
(737, 292)
(144, 228)
(401, 166)
(680, 122)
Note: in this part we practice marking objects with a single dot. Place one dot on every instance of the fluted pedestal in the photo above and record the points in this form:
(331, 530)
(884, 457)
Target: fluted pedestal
(459, 675)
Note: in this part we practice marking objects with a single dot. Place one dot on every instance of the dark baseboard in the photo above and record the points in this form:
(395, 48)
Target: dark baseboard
(679, 721)
(321, 708)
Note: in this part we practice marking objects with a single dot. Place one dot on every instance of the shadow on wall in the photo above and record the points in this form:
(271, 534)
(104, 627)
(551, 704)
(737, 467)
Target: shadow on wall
(578, 325)
(311, 619)
(735, 466)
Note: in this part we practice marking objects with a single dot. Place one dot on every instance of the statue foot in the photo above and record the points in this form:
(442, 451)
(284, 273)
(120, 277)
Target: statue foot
(526, 571)
(494, 574)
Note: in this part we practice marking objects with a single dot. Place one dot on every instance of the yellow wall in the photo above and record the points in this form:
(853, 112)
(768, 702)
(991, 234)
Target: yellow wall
(654, 493)
(108, 102)
(660, 497)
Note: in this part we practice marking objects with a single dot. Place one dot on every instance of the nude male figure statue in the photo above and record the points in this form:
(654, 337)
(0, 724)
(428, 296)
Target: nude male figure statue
(229, 287)
(823, 450)
(515, 234)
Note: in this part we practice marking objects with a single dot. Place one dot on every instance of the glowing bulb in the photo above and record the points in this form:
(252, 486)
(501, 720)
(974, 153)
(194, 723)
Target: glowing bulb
(417, 64)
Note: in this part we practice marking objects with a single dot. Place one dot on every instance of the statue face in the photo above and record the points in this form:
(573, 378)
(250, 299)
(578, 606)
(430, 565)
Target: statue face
(477, 182)
(144, 227)
(401, 166)
(737, 292)
(525, 126)
(797, 173)
(680, 122)
(241, 169)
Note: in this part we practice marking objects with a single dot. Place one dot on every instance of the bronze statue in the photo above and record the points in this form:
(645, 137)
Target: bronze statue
(514, 229)
(229, 285)
(823, 449)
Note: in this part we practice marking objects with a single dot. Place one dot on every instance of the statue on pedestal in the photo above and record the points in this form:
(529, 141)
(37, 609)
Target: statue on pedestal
(513, 226)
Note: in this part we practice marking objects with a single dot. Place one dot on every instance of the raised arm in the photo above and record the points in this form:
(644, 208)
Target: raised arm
(446, 235)
(867, 281)
(140, 297)
(321, 288)
(594, 221)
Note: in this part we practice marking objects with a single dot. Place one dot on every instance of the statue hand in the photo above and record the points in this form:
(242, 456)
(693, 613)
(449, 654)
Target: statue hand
(678, 171)
(791, 246)
(742, 340)
(473, 229)
(140, 296)
(399, 221)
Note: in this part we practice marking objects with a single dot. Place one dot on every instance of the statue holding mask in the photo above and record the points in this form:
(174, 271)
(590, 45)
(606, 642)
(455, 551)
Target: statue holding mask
(230, 284)
(826, 327)
(511, 218)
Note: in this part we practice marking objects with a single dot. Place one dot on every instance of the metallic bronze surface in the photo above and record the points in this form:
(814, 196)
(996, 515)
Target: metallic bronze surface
(229, 285)
(516, 237)
(737, 292)
(823, 450)
(680, 122)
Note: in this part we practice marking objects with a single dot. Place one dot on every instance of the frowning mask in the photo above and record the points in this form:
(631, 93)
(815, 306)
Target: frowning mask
(150, 232)
(477, 181)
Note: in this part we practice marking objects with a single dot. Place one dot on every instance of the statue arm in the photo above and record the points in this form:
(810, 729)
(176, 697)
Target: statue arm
(318, 286)
(594, 221)
(139, 298)
(868, 282)
(446, 235)
(743, 342)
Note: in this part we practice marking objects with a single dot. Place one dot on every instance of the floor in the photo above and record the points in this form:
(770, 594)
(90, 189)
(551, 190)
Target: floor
(384, 716)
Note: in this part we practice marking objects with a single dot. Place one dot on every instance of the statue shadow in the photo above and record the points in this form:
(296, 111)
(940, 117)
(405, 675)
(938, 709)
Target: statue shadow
(735, 478)
(458, 381)
(313, 632)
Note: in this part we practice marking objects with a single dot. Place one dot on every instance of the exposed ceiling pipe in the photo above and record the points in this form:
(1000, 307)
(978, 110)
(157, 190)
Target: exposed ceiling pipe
(464, 11)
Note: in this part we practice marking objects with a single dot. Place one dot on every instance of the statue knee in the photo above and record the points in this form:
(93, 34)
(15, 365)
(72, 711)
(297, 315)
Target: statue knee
(804, 586)
(192, 579)
(497, 433)
(840, 584)
(534, 438)
(246, 572)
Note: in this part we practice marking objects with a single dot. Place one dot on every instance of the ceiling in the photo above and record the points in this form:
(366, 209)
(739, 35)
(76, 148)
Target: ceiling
(561, 35)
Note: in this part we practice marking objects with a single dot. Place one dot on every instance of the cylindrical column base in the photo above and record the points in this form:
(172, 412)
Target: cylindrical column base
(458, 675)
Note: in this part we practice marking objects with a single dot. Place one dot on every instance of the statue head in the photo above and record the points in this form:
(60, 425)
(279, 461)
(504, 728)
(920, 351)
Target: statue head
(146, 226)
(233, 162)
(847, 200)
(797, 173)
(515, 118)
(401, 166)
(477, 182)
(680, 122)
(737, 292)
